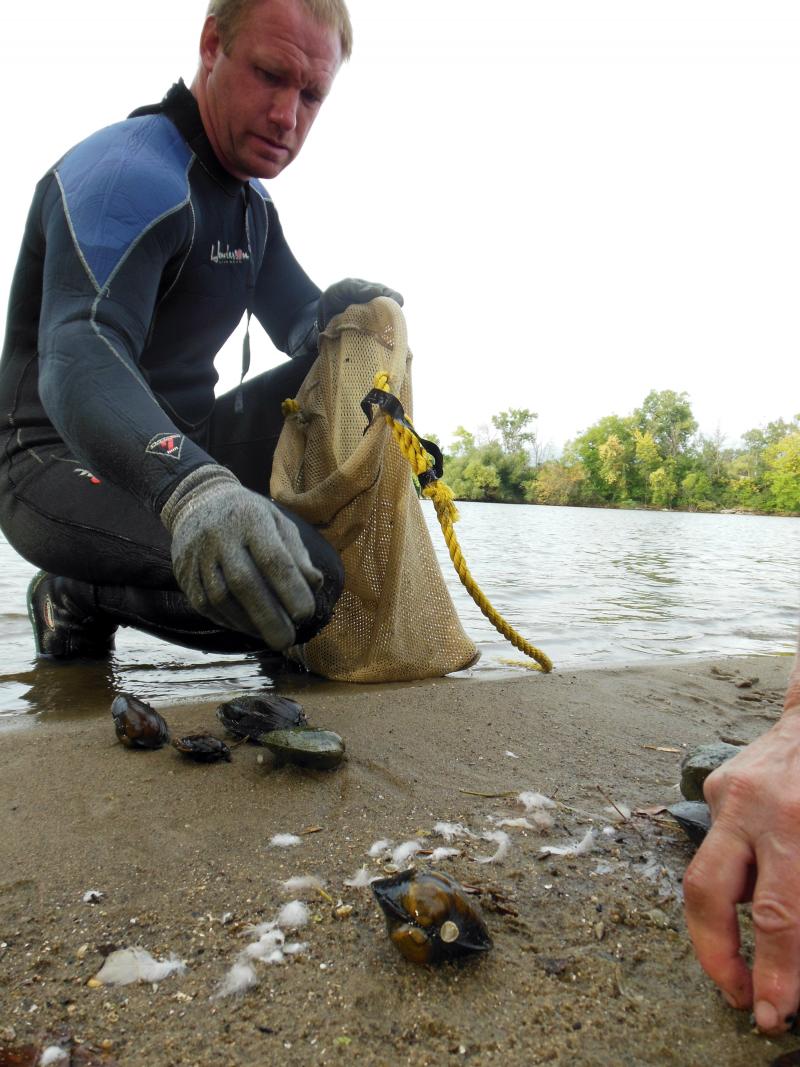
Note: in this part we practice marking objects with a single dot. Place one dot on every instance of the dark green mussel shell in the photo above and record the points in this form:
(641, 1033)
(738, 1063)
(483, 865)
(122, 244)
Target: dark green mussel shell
(321, 749)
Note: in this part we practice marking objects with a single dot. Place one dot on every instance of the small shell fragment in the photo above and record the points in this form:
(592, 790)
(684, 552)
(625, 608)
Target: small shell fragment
(202, 747)
(449, 932)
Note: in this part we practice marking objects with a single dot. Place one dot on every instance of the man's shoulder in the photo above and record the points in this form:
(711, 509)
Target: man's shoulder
(147, 148)
(119, 182)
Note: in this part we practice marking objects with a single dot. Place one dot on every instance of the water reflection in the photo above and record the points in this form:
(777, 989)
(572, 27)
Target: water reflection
(70, 690)
(590, 587)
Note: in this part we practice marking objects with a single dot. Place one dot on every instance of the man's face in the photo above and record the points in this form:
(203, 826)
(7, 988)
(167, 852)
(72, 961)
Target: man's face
(263, 95)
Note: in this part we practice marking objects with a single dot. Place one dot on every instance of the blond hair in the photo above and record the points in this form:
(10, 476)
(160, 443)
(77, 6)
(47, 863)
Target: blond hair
(332, 13)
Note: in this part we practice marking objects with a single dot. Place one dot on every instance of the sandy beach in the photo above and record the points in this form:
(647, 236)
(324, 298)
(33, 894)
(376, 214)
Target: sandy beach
(591, 963)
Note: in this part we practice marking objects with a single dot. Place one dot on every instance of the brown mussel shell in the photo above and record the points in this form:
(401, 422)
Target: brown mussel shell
(251, 716)
(430, 918)
(202, 747)
(137, 724)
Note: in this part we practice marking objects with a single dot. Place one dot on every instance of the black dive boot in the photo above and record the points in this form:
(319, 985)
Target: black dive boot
(65, 619)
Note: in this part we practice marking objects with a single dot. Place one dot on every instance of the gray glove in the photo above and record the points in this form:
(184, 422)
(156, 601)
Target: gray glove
(349, 291)
(238, 559)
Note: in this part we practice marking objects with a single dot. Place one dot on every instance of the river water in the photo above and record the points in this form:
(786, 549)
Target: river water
(590, 587)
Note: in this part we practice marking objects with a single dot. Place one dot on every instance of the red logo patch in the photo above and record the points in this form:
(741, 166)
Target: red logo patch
(166, 444)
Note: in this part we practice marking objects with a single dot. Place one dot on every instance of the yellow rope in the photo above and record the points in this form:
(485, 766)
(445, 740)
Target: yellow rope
(447, 513)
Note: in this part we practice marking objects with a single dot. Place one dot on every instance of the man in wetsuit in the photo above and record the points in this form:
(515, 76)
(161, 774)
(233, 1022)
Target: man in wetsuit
(142, 498)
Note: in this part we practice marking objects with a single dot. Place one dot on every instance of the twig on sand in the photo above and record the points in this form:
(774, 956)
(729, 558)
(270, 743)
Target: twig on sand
(489, 796)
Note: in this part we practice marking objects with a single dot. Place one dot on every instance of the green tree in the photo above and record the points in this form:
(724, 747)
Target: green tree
(696, 491)
(514, 428)
(648, 459)
(663, 486)
(557, 483)
(613, 465)
(667, 417)
(586, 448)
(481, 481)
(782, 474)
(464, 442)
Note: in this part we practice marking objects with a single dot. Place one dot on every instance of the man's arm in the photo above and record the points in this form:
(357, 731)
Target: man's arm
(93, 327)
(752, 853)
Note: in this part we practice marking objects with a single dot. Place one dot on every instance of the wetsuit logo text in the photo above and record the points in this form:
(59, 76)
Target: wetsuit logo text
(228, 255)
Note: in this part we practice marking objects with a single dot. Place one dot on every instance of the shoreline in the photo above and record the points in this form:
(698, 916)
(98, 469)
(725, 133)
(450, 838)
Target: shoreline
(591, 962)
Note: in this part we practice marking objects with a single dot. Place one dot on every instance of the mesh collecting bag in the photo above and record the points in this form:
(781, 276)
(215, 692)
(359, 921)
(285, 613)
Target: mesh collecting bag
(395, 620)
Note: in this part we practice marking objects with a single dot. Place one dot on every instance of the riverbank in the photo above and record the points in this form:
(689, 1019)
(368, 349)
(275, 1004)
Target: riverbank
(591, 962)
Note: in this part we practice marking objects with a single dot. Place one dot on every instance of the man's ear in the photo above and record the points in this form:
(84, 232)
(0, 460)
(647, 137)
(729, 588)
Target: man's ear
(210, 43)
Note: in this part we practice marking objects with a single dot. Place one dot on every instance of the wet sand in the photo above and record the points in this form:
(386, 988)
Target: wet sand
(591, 963)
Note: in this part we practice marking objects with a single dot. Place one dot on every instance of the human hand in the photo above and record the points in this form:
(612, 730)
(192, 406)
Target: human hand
(752, 853)
(238, 559)
(349, 291)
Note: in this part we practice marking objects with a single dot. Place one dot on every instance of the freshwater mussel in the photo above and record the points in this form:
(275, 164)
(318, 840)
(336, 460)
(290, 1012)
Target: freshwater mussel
(202, 747)
(430, 918)
(693, 817)
(305, 746)
(137, 724)
(254, 715)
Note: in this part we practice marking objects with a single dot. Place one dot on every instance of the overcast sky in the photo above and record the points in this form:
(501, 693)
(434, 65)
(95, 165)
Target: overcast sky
(582, 200)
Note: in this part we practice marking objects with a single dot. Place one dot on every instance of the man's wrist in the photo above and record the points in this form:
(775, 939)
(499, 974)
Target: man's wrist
(199, 481)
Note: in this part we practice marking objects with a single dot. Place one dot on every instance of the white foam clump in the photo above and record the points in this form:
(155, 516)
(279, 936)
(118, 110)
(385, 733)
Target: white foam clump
(405, 852)
(377, 848)
(268, 943)
(362, 878)
(53, 1055)
(503, 845)
(239, 979)
(586, 844)
(293, 915)
(451, 830)
(538, 807)
(443, 854)
(294, 948)
(299, 885)
(284, 840)
(128, 965)
(532, 801)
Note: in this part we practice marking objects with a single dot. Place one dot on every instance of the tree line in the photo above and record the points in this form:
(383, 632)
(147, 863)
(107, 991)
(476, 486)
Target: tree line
(655, 457)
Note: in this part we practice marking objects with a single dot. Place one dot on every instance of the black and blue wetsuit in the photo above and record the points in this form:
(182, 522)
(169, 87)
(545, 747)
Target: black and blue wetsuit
(140, 255)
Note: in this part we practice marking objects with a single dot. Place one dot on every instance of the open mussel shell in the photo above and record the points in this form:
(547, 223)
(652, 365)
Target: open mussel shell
(137, 724)
(430, 918)
(321, 749)
(202, 747)
(693, 817)
(251, 716)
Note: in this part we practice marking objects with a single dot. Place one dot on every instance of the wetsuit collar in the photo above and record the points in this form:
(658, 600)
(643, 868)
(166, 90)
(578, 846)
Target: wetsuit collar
(180, 107)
